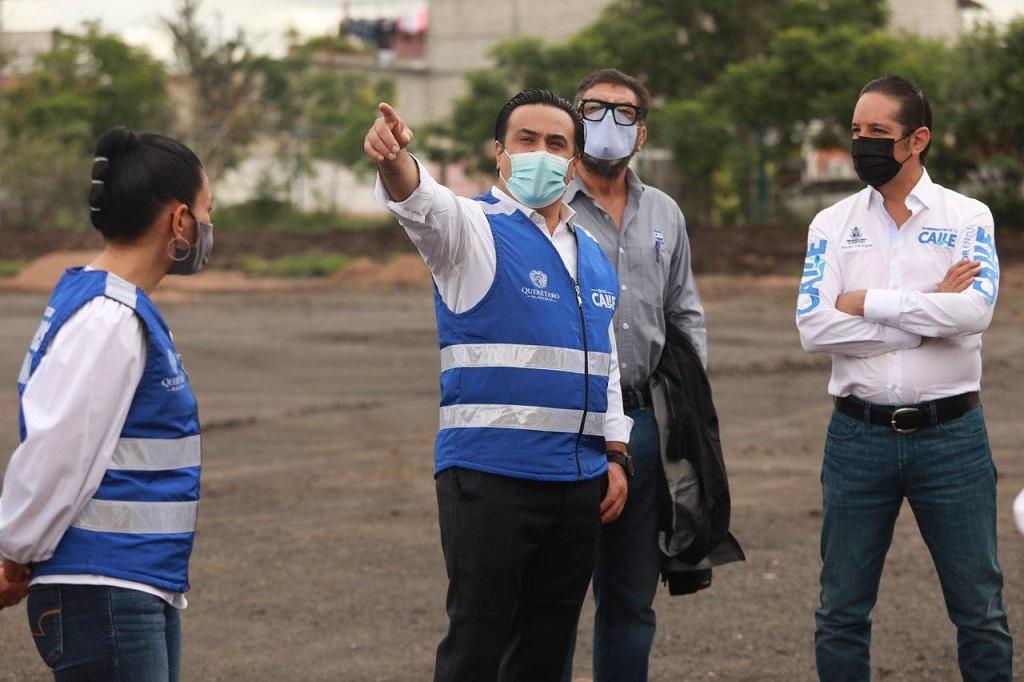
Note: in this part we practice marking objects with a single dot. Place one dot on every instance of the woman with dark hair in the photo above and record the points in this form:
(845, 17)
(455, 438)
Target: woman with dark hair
(100, 499)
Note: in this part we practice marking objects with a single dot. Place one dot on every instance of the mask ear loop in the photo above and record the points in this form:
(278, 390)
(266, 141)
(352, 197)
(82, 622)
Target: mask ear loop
(503, 178)
(904, 161)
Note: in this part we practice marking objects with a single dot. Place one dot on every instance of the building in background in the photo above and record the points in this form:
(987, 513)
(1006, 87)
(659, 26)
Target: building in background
(428, 48)
(943, 19)
(19, 50)
(463, 33)
(828, 174)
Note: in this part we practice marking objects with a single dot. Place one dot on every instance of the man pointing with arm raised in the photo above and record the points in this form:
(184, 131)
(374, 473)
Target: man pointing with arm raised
(531, 409)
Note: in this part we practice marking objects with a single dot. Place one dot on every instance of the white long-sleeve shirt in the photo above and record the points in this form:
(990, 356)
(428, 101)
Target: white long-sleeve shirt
(455, 240)
(75, 405)
(912, 344)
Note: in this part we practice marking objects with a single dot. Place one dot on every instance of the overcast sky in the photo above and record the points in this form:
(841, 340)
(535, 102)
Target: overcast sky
(264, 20)
(139, 21)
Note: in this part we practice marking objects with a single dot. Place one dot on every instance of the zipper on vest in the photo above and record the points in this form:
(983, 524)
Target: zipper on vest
(586, 370)
(586, 353)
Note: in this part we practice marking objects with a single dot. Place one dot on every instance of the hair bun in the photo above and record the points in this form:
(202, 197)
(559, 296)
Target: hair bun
(115, 142)
(133, 179)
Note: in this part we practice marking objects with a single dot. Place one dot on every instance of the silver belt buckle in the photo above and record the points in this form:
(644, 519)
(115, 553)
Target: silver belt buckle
(896, 413)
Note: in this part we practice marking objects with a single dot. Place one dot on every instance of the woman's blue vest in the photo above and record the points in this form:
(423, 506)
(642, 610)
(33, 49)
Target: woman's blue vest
(524, 372)
(140, 524)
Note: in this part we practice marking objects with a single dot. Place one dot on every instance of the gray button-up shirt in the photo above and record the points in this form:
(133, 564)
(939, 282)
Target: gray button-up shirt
(652, 256)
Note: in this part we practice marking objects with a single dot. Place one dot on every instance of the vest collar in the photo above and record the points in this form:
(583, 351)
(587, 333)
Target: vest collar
(566, 214)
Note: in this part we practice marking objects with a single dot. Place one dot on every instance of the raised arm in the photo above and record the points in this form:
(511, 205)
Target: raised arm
(385, 143)
(451, 233)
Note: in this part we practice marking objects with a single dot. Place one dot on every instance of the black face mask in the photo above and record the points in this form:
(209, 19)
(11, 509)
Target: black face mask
(874, 161)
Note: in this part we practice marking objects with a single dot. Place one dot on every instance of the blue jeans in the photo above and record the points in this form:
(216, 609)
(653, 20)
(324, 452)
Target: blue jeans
(628, 566)
(946, 474)
(94, 632)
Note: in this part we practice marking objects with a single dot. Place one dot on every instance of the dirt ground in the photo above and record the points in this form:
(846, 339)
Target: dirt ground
(318, 555)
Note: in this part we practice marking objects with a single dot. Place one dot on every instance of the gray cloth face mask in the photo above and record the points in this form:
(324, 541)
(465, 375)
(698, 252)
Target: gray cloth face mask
(195, 257)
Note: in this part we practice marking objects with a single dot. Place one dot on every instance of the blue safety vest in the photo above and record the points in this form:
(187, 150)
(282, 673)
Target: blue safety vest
(524, 372)
(140, 523)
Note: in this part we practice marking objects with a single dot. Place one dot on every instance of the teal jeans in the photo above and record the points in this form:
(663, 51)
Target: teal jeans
(946, 474)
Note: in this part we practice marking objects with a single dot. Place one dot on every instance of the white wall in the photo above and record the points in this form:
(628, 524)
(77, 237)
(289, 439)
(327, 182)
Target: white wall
(930, 18)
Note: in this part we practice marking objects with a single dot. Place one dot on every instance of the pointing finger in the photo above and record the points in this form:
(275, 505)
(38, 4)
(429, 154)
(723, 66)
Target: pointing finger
(389, 113)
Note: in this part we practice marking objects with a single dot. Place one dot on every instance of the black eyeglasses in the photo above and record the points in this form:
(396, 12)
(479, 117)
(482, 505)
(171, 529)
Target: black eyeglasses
(623, 114)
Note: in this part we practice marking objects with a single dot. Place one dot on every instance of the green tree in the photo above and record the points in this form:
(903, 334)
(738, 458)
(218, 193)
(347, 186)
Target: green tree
(228, 106)
(340, 108)
(743, 89)
(986, 144)
(738, 83)
(473, 117)
(85, 84)
(696, 134)
(822, 15)
(315, 109)
(50, 118)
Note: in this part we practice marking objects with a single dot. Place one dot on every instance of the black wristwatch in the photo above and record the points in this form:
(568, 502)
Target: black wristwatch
(624, 460)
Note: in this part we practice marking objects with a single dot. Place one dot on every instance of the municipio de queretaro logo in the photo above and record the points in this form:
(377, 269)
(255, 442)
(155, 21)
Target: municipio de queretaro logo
(540, 283)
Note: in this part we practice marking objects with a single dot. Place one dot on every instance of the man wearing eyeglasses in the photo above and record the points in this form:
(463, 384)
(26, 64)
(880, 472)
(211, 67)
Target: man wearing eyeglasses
(643, 233)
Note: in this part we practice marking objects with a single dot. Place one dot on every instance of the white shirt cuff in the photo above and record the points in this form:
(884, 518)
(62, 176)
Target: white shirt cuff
(882, 305)
(617, 427)
(416, 207)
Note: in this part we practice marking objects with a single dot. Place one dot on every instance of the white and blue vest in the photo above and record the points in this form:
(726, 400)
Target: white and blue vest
(141, 522)
(524, 372)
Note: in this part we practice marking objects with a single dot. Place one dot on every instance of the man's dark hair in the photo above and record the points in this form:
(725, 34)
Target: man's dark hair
(134, 176)
(616, 77)
(538, 96)
(914, 113)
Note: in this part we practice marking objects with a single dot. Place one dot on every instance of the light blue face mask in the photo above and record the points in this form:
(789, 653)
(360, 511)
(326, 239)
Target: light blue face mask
(608, 141)
(537, 179)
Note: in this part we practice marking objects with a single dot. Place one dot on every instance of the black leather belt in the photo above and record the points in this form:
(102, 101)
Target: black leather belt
(636, 398)
(909, 418)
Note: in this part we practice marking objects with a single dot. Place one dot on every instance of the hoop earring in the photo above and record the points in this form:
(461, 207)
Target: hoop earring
(172, 248)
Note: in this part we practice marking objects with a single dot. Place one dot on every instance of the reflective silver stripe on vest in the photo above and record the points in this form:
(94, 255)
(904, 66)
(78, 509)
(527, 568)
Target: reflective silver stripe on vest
(522, 356)
(26, 369)
(156, 454)
(121, 290)
(109, 516)
(37, 339)
(520, 417)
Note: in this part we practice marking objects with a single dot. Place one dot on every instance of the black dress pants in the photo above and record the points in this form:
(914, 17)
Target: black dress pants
(519, 556)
